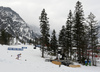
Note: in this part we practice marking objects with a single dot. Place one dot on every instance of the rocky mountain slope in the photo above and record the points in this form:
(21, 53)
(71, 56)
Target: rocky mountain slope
(15, 25)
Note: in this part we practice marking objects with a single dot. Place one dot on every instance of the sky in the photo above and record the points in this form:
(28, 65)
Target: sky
(57, 10)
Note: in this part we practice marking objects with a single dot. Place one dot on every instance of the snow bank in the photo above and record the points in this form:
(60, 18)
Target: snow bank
(31, 61)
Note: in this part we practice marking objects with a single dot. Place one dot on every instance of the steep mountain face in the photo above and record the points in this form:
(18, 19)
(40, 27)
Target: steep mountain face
(14, 24)
(35, 29)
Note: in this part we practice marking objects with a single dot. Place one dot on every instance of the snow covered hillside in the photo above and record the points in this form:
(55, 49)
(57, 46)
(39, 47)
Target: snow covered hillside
(31, 61)
(11, 22)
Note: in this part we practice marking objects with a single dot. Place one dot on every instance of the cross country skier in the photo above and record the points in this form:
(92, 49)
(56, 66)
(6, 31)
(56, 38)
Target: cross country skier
(18, 56)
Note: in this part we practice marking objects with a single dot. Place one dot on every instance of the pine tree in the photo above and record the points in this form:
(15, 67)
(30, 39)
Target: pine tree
(3, 37)
(9, 37)
(78, 28)
(69, 33)
(93, 33)
(85, 41)
(62, 42)
(53, 42)
(44, 27)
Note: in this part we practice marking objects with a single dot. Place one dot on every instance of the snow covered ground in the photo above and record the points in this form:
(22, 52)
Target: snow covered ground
(31, 61)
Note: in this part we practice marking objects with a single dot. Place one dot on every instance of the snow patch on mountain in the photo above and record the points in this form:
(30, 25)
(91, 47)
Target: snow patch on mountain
(14, 24)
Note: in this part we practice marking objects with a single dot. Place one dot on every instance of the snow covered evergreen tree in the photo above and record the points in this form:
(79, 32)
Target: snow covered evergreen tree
(78, 28)
(62, 41)
(5, 37)
(69, 33)
(53, 42)
(93, 33)
(44, 27)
